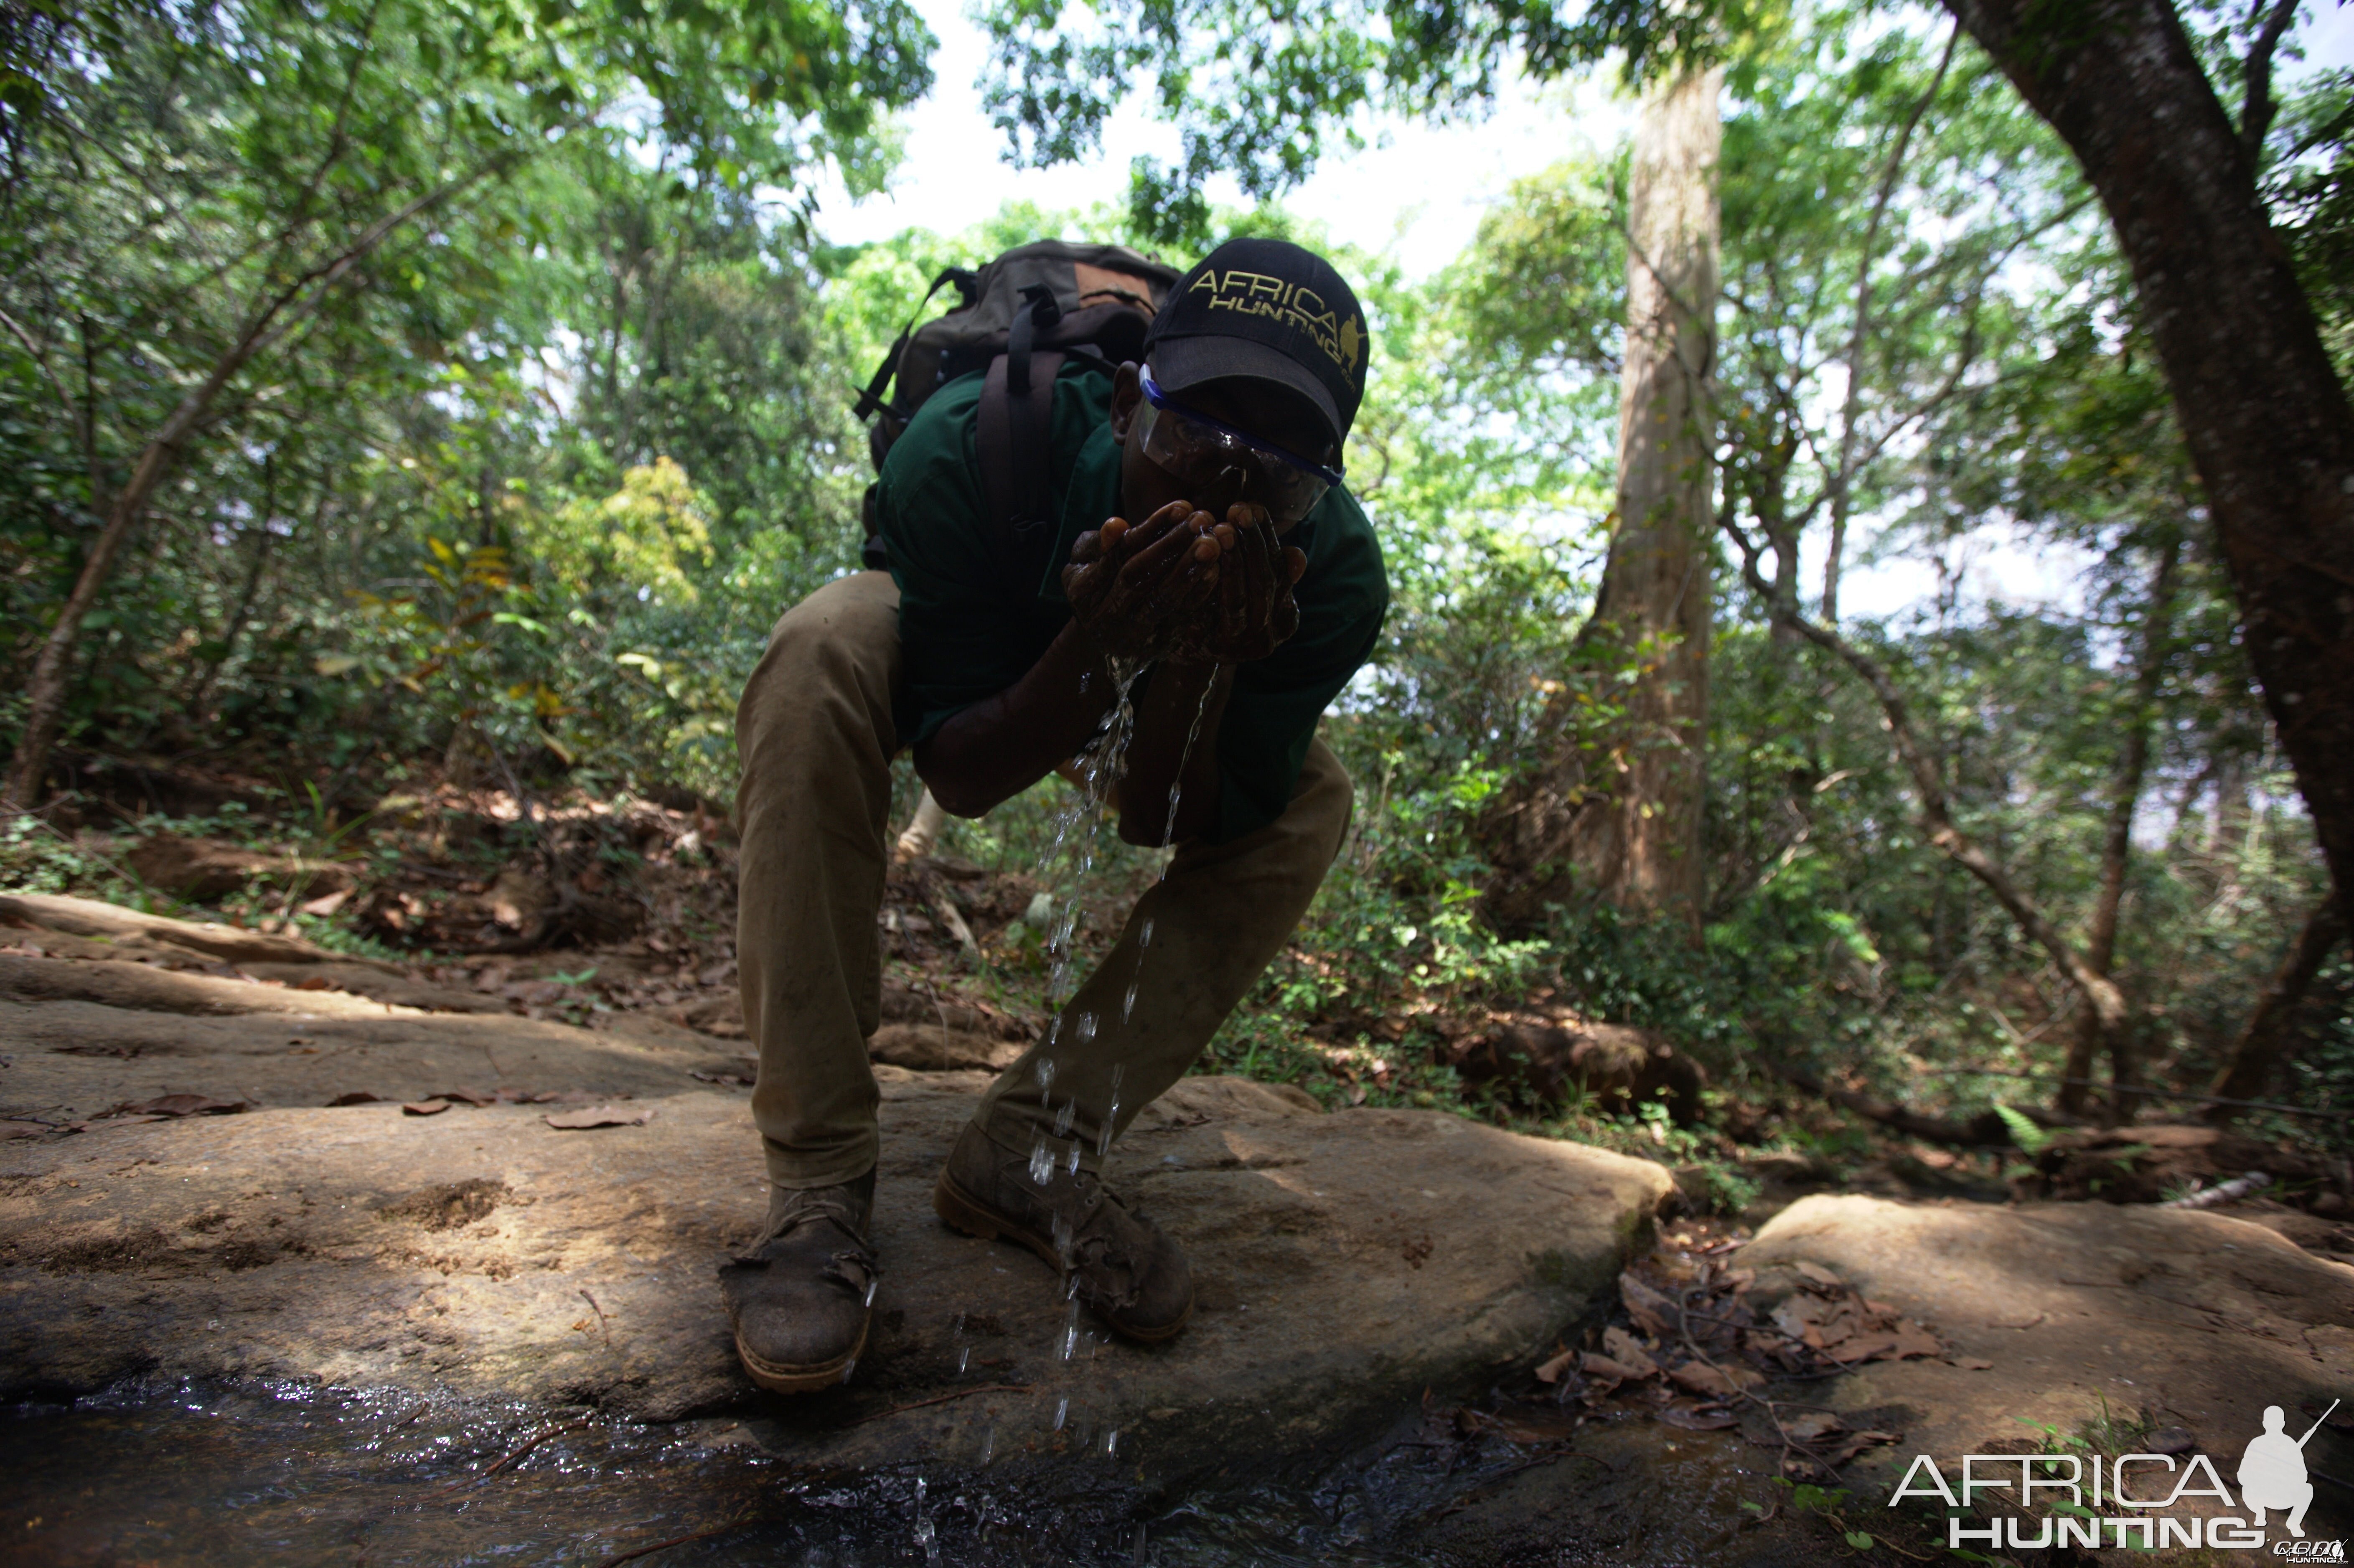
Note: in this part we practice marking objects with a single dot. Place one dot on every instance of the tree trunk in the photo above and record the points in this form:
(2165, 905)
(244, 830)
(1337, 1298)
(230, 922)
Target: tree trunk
(45, 693)
(2267, 422)
(2261, 1045)
(1632, 837)
(2116, 848)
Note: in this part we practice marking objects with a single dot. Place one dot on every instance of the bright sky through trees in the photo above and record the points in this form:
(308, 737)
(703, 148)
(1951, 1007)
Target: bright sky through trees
(1416, 191)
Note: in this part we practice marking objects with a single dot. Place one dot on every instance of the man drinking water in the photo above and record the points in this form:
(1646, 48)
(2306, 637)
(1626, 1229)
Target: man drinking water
(1202, 534)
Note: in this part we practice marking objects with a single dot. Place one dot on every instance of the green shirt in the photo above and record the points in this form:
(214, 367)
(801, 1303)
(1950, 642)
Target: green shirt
(964, 635)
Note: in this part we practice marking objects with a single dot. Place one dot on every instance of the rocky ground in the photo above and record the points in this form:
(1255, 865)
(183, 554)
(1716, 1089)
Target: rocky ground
(227, 1154)
(180, 1194)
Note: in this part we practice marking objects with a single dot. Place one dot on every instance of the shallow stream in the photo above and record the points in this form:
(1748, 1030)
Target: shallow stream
(192, 1474)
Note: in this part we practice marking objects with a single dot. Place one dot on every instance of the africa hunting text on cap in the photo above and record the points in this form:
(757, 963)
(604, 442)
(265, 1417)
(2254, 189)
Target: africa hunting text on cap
(1267, 311)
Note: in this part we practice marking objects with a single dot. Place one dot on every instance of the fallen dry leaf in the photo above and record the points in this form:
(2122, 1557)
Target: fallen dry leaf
(466, 1097)
(426, 1108)
(1855, 1443)
(1974, 1363)
(1701, 1378)
(599, 1116)
(1810, 1424)
(356, 1097)
(1650, 1308)
(1911, 1340)
(1620, 1347)
(1550, 1372)
(1819, 1274)
(1875, 1346)
(325, 904)
(1595, 1364)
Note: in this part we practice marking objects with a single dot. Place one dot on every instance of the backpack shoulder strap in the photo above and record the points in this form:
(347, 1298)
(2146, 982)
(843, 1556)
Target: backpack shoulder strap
(1012, 436)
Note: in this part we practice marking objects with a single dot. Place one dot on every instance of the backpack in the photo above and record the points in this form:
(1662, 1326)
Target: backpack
(1018, 319)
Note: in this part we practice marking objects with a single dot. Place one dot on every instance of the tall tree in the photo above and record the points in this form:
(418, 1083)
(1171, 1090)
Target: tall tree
(1632, 836)
(2267, 418)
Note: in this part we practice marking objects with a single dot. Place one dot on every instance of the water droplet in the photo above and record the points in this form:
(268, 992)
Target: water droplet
(1046, 1068)
(1144, 939)
(869, 1291)
(1042, 1164)
(1128, 1003)
(1061, 1409)
(1063, 1118)
(1111, 1444)
(848, 1367)
(1087, 1030)
(987, 1444)
(1073, 1161)
(1103, 1138)
(964, 1359)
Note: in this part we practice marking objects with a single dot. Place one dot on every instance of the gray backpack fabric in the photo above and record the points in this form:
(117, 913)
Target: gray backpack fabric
(1018, 320)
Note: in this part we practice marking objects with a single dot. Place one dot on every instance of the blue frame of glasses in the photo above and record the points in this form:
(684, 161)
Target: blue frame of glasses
(1162, 401)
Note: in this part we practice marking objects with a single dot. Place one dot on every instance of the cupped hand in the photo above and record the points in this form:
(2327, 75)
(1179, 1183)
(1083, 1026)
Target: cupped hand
(1134, 587)
(1253, 611)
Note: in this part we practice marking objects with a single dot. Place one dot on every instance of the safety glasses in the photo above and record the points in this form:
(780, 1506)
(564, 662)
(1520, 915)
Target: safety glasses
(1195, 447)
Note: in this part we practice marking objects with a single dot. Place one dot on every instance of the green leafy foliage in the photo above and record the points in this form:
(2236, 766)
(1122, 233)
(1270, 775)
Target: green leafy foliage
(519, 499)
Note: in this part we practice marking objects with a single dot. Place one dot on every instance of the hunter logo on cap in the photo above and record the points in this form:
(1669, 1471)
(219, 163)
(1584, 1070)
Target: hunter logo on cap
(1260, 294)
(1266, 310)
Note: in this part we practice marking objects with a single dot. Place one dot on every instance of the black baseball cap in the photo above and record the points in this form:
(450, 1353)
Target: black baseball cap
(1265, 310)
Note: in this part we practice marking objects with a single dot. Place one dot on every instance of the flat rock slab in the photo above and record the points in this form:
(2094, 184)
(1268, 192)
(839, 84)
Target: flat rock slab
(1344, 1263)
(2197, 1318)
(67, 1060)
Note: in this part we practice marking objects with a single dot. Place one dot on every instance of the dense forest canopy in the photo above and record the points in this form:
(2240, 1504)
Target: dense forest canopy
(400, 397)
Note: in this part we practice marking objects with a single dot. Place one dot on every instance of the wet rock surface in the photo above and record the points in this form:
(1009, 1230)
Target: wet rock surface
(1344, 1263)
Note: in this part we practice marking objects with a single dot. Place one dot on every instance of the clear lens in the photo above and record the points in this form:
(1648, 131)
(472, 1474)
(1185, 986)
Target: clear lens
(1199, 454)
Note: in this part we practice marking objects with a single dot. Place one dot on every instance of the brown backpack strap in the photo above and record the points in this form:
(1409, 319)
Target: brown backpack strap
(1012, 436)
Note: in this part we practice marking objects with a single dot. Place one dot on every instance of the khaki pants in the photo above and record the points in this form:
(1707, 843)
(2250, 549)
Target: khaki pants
(815, 736)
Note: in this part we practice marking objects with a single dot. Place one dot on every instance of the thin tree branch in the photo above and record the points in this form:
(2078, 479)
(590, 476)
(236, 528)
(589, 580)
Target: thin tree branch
(2256, 113)
(1844, 476)
(1929, 790)
(42, 360)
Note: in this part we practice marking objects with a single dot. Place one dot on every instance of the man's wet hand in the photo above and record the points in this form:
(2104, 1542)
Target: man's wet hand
(1253, 611)
(1134, 587)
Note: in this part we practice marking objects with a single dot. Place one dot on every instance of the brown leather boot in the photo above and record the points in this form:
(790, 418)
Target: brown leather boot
(800, 1296)
(1119, 1264)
